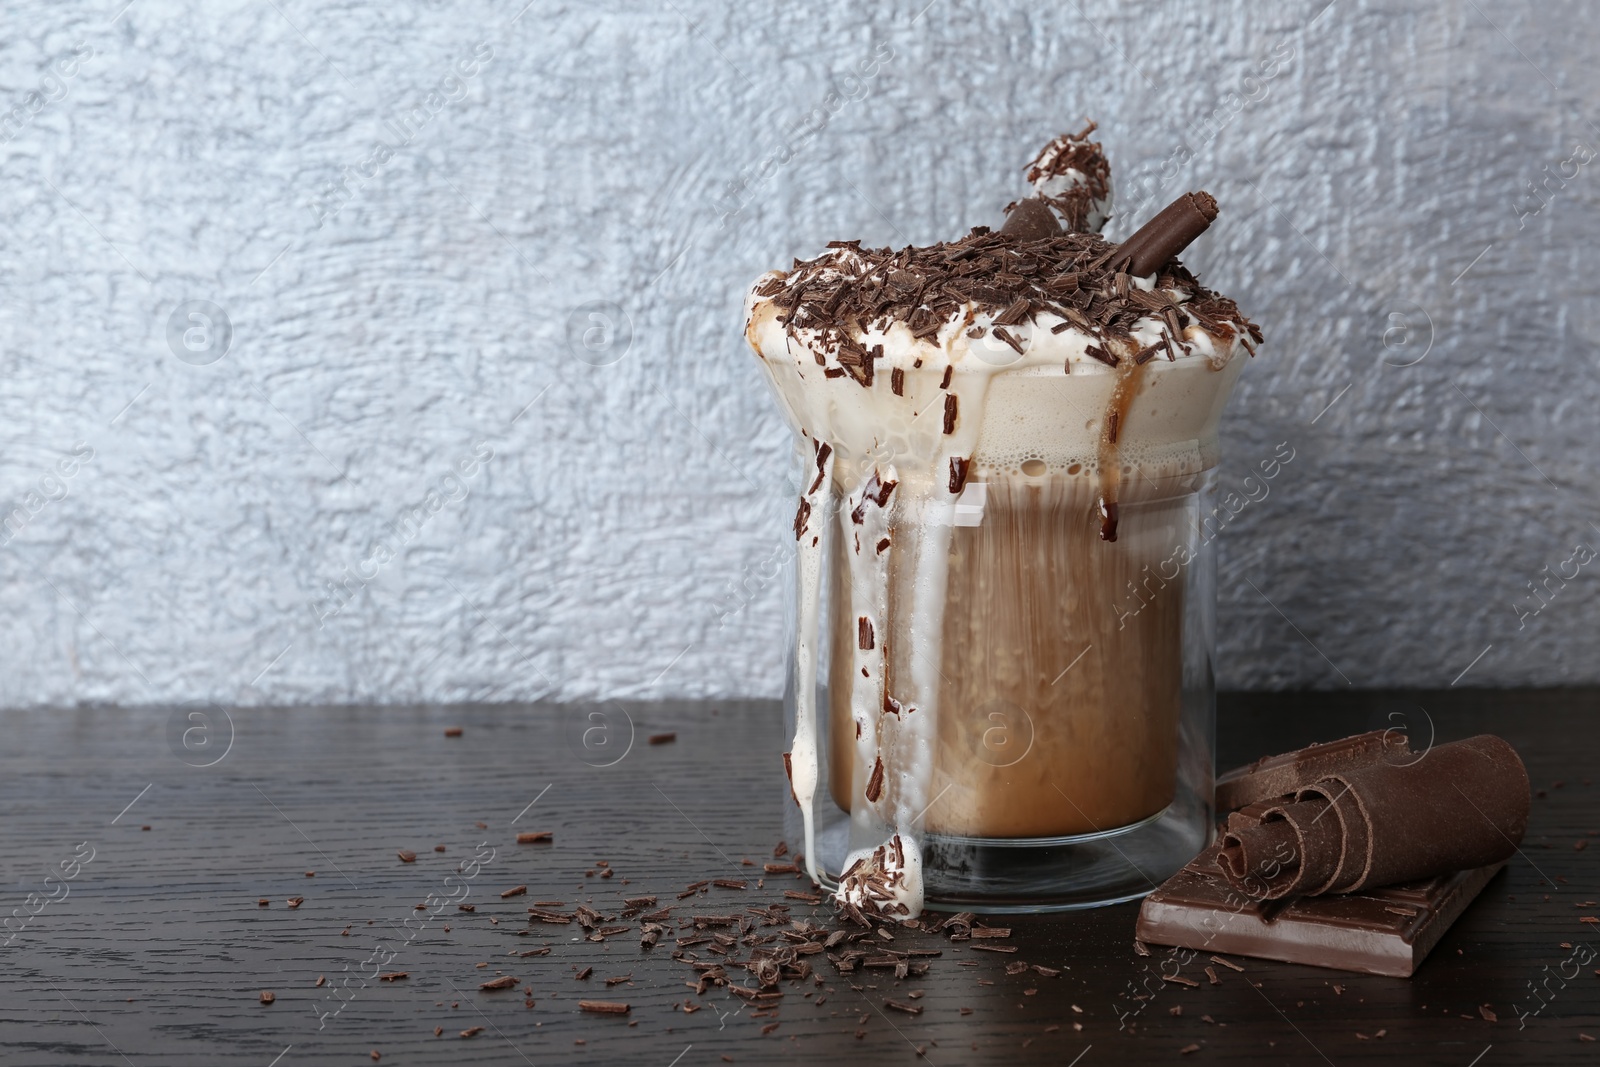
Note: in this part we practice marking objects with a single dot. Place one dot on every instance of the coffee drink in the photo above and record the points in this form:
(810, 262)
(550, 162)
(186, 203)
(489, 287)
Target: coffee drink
(1004, 440)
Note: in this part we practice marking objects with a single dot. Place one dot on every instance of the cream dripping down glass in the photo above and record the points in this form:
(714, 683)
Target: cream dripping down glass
(1001, 690)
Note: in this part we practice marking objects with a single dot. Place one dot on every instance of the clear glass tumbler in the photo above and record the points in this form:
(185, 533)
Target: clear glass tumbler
(1071, 759)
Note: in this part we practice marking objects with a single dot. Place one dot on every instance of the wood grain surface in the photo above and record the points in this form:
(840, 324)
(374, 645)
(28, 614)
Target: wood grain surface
(149, 946)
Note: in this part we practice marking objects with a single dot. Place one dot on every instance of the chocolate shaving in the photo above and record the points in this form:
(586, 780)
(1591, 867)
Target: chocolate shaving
(958, 473)
(877, 491)
(824, 450)
(875, 782)
(604, 1007)
(864, 634)
(1007, 336)
(838, 296)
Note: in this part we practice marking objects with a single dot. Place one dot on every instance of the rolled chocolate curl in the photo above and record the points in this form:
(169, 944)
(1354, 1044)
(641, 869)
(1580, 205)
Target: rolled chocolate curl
(1031, 220)
(1384, 823)
(1272, 777)
(1293, 849)
(1172, 230)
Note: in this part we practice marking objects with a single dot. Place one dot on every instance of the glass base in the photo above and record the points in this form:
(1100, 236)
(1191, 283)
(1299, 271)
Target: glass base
(998, 876)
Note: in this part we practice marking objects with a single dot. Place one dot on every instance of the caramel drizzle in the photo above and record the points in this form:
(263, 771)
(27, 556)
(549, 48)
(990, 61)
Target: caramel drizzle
(1130, 374)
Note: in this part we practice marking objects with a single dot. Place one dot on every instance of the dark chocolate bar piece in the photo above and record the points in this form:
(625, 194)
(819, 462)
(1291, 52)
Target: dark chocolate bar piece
(1387, 931)
(1277, 776)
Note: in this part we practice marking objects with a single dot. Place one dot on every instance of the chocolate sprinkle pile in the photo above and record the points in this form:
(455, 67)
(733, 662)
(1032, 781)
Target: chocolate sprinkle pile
(850, 289)
(871, 879)
(1074, 152)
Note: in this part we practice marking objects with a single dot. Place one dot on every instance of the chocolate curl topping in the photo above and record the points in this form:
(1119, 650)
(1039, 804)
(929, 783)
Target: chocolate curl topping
(1293, 851)
(1172, 230)
(1031, 220)
(1383, 824)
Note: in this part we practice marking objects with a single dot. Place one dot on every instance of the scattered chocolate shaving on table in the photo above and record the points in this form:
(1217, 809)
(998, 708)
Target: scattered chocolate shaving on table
(604, 1007)
(394, 976)
(472, 1031)
(505, 981)
(452, 731)
(407, 856)
(541, 915)
(514, 891)
(663, 739)
(267, 996)
(532, 837)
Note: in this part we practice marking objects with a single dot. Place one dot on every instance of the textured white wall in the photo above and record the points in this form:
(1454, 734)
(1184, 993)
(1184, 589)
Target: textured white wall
(604, 529)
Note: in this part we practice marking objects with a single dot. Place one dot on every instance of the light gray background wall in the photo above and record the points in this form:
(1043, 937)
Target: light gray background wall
(1377, 212)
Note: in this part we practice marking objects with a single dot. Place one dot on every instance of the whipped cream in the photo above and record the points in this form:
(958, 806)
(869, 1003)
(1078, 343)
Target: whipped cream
(886, 880)
(1072, 176)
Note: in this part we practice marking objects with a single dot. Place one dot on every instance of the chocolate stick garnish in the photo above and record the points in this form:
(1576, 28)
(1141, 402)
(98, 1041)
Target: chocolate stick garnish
(1172, 230)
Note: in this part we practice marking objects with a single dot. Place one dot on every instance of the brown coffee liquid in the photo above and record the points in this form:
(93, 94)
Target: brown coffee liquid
(1061, 661)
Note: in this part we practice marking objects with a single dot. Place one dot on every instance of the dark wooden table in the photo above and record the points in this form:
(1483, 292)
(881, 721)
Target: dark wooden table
(148, 944)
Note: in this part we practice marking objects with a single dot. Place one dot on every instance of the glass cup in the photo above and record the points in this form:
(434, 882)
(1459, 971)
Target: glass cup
(1068, 761)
